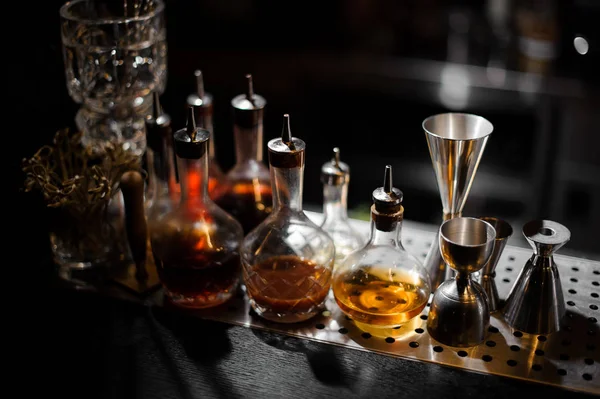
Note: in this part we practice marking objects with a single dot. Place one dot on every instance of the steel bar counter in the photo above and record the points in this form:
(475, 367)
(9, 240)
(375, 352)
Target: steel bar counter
(114, 344)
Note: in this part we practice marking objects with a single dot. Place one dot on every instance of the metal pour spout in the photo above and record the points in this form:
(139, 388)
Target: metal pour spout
(336, 157)
(286, 132)
(199, 83)
(190, 126)
(250, 89)
(156, 108)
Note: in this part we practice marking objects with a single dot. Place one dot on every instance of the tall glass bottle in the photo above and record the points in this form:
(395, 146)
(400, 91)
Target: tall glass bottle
(381, 286)
(202, 101)
(287, 260)
(335, 176)
(160, 159)
(196, 245)
(248, 196)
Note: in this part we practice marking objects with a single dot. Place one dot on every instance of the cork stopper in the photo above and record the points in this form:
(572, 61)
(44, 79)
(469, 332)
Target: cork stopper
(335, 172)
(387, 210)
(286, 151)
(248, 108)
(191, 142)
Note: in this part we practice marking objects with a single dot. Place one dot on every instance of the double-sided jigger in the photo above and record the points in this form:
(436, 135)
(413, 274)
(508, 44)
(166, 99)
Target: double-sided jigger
(535, 303)
(456, 142)
(459, 314)
(488, 273)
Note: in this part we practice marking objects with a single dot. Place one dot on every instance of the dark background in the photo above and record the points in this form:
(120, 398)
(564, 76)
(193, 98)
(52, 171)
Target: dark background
(358, 74)
(362, 75)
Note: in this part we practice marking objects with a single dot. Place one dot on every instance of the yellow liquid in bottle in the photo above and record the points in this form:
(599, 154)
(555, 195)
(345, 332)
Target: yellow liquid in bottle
(379, 297)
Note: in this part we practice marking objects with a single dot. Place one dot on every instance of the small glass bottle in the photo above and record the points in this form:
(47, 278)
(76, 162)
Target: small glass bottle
(160, 159)
(381, 286)
(202, 102)
(248, 196)
(287, 260)
(335, 176)
(196, 245)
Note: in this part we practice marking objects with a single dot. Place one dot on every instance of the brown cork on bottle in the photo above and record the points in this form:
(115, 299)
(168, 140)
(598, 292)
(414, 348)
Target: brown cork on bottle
(386, 221)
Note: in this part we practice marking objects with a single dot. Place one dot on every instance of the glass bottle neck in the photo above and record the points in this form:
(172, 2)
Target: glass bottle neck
(161, 170)
(248, 143)
(335, 205)
(193, 179)
(287, 186)
(206, 122)
(389, 237)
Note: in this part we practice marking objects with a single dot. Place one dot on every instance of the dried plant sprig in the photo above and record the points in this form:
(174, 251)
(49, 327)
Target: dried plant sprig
(75, 177)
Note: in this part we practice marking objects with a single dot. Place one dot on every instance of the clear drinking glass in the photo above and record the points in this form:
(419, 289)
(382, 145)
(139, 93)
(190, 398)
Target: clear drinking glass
(115, 56)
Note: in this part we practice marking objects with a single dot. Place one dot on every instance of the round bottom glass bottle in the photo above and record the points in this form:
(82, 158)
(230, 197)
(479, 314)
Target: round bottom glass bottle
(287, 259)
(196, 245)
(381, 287)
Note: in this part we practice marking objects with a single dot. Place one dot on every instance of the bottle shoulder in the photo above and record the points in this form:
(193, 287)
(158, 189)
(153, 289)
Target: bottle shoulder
(287, 232)
(207, 220)
(249, 170)
(342, 227)
(392, 256)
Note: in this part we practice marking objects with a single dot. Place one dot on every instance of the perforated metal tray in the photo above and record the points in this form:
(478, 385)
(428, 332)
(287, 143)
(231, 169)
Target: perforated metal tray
(568, 358)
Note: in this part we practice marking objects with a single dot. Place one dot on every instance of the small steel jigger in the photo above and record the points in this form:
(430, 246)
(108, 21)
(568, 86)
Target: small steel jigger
(459, 314)
(487, 275)
(535, 303)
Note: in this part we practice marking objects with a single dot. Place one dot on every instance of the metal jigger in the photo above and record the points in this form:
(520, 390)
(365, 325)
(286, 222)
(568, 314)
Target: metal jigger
(486, 279)
(535, 303)
(456, 142)
(459, 314)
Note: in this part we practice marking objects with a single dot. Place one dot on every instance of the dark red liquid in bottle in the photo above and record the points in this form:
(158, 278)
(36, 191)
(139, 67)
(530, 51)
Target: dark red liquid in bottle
(249, 204)
(202, 281)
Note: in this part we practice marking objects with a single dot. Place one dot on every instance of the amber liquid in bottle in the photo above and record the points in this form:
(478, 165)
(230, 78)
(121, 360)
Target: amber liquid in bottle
(287, 284)
(370, 299)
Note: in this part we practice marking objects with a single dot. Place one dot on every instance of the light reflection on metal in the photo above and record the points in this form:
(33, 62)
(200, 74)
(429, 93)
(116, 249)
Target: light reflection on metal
(581, 45)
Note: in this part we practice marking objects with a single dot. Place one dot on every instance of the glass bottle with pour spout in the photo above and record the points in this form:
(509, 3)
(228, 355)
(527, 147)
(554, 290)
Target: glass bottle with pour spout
(248, 195)
(196, 245)
(202, 101)
(335, 176)
(160, 158)
(287, 260)
(382, 287)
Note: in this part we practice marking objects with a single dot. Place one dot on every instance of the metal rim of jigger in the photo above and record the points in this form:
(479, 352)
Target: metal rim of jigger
(535, 231)
(482, 124)
(490, 238)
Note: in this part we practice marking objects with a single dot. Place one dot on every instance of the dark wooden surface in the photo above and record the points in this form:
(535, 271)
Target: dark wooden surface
(83, 345)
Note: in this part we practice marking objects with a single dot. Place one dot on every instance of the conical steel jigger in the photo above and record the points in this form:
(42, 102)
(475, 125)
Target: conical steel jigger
(459, 313)
(456, 142)
(535, 303)
(488, 274)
